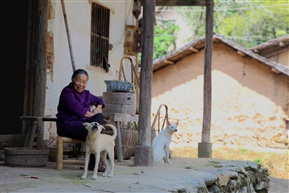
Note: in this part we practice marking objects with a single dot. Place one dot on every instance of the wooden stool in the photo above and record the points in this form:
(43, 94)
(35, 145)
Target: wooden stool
(59, 156)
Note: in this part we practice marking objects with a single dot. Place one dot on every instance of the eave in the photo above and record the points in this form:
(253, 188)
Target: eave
(195, 46)
(179, 2)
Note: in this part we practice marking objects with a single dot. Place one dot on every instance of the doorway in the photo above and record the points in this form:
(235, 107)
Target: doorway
(14, 26)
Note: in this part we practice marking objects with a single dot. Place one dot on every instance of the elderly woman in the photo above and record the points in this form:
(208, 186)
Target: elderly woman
(74, 108)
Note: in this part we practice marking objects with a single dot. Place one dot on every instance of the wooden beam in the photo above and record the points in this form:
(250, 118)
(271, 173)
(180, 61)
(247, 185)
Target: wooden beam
(241, 53)
(216, 40)
(283, 44)
(273, 53)
(102, 4)
(179, 2)
(275, 70)
(194, 49)
(168, 62)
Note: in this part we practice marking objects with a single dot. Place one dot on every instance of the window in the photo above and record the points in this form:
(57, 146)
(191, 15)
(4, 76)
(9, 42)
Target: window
(99, 40)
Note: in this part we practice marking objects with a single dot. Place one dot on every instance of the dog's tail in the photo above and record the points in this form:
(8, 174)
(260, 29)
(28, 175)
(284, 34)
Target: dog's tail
(113, 129)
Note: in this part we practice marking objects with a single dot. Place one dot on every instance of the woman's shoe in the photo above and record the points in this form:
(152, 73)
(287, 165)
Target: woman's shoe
(101, 167)
(91, 164)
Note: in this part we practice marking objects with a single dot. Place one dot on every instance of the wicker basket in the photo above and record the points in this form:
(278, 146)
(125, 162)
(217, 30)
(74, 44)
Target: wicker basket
(118, 86)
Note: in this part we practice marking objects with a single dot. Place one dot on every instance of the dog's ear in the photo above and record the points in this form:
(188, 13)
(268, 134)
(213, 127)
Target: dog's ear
(101, 126)
(86, 124)
(169, 122)
(177, 122)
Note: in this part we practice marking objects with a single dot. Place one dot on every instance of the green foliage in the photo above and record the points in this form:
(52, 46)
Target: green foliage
(134, 125)
(258, 161)
(165, 38)
(247, 23)
(243, 150)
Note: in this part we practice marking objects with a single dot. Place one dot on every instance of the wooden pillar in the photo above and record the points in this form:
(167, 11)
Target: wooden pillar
(205, 147)
(118, 142)
(143, 150)
(30, 56)
(39, 64)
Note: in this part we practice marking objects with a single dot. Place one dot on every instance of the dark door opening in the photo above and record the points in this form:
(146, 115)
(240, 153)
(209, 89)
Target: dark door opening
(14, 23)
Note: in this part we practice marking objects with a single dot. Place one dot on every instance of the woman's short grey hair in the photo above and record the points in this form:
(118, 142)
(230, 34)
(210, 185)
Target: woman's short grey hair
(78, 72)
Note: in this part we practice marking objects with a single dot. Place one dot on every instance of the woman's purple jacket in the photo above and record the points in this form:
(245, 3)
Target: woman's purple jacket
(72, 107)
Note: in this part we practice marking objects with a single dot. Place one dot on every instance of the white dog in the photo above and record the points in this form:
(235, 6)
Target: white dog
(101, 145)
(162, 142)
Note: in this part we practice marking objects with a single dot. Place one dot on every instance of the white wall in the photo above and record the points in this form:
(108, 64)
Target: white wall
(78, 13)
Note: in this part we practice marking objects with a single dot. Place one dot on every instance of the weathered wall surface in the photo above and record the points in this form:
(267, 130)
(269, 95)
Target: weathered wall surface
(59, 69)
(281, 58)
(249, 100)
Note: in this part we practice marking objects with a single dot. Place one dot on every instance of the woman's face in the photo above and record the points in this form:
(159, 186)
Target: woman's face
(80, 82)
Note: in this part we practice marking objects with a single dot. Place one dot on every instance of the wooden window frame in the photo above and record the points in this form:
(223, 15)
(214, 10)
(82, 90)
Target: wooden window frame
(99, 38)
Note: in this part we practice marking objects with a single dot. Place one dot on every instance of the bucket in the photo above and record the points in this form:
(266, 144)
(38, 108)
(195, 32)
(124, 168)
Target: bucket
(24, 156)
(12, 140)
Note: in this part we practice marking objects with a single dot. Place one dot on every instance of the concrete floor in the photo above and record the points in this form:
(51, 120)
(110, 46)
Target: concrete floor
(174, 177)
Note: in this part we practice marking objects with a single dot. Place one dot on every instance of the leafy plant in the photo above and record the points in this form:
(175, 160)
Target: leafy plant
(134, 125)
(258, 161)
(247, 23)
(165, 38)
(243, 150)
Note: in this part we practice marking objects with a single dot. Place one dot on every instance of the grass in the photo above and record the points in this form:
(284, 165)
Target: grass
(277, 163)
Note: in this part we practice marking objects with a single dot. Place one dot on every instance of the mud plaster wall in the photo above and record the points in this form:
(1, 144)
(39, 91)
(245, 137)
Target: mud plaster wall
(50, 54)
(249, 100)
(281, 58)
(50, 42)
(50, 127)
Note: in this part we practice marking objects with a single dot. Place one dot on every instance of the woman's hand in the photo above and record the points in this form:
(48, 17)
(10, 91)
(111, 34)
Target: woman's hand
(97, 109)
(94, 112)
(88, 114)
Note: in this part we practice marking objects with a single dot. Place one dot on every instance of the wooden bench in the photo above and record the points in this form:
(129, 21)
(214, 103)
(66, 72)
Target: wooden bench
(36, 129)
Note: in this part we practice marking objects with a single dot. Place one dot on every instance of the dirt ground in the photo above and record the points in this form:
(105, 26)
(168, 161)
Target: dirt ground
(276, 160)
